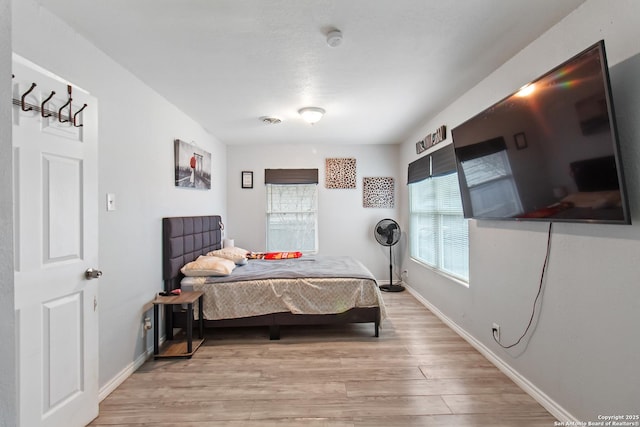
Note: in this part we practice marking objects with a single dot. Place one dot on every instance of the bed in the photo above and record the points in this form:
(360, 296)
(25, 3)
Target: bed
(320, 296)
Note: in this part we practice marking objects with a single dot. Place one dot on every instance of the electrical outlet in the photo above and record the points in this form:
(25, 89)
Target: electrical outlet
(495, 330)
(147, 323)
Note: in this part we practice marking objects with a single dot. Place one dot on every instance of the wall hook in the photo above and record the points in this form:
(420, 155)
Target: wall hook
(23, 104)
(42, 109)
(68, 103)
(60, 112)
(75, 123)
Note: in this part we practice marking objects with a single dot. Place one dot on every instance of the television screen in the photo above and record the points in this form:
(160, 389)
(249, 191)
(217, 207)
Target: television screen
(547, 152)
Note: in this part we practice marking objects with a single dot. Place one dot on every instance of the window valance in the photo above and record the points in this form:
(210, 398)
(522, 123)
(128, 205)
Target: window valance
(438, 163)
(291, 176)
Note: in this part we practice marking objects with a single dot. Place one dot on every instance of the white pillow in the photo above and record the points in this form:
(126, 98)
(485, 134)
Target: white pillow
(237, 255)
(209, 266)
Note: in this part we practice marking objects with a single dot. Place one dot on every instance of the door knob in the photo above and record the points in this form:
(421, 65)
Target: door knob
(92, 274)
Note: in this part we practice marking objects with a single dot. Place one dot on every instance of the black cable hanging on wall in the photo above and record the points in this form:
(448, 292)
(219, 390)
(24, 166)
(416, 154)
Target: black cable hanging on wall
(535, 301)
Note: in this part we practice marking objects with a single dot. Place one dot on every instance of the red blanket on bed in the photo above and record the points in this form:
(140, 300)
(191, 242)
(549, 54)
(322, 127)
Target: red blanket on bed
(274, 255)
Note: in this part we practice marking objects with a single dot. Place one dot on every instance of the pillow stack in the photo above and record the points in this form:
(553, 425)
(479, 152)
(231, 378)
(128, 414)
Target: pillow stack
(220, 262)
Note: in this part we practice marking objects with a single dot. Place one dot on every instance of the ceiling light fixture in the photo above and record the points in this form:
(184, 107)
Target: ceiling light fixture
(311, 115)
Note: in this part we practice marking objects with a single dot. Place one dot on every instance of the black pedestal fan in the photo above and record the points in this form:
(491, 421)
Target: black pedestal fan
(387, 233)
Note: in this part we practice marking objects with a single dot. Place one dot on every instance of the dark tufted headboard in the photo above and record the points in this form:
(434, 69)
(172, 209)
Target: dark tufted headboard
(183, 240)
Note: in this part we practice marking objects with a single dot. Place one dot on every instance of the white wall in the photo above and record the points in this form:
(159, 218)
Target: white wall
(583, 353)
(136, 132)
(345, 227)
(8, 392)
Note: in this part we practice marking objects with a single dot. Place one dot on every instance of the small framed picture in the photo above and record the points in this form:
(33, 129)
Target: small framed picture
(521, 140)
(247, 179)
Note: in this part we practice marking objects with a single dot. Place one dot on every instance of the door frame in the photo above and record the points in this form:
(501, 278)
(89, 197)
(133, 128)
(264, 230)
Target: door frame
(8, 367)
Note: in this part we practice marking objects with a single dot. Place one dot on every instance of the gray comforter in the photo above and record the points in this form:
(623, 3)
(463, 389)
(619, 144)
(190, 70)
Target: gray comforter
(312, 266)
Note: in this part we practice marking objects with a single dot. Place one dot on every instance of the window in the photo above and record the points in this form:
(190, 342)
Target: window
(292, 220)
(292, 209)
(438, 232)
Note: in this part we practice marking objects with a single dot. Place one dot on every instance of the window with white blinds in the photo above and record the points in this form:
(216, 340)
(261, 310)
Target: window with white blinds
(438, 233)
(292, 217)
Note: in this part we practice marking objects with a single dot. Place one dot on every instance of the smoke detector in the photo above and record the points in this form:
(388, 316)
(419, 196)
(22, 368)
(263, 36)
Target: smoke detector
(334, 38)
(270, 120)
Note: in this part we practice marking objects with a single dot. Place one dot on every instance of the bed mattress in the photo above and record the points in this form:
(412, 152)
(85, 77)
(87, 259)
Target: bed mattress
(307, 285)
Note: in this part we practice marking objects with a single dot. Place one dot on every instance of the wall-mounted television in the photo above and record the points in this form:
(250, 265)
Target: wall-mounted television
(548, 152)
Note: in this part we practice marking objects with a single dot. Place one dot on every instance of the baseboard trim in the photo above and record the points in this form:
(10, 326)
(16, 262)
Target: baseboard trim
(549, 404)
(116, 381)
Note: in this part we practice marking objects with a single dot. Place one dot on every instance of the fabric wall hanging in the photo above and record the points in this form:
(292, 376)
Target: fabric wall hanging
(340, 173)
(377, 192)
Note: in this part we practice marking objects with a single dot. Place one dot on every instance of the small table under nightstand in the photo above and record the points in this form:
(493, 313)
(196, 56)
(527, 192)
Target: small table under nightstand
(178, 348)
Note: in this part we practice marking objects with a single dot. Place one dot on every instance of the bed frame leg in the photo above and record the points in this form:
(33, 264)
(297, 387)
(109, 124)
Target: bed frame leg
(377, 327)
(274, 332)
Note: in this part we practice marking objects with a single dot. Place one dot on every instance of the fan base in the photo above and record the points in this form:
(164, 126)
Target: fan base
(392, 288)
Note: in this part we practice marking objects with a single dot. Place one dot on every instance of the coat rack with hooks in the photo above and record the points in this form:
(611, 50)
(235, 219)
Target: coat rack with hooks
(69, 117)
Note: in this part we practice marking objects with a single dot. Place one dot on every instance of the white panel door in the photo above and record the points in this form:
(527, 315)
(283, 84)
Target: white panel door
(56, 235)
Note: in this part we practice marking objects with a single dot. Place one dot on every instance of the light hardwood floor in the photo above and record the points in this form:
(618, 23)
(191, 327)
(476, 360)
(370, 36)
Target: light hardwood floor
(418, 373)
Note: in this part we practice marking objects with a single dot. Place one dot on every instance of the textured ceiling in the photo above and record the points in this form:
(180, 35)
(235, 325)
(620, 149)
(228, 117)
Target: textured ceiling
(226, 63)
